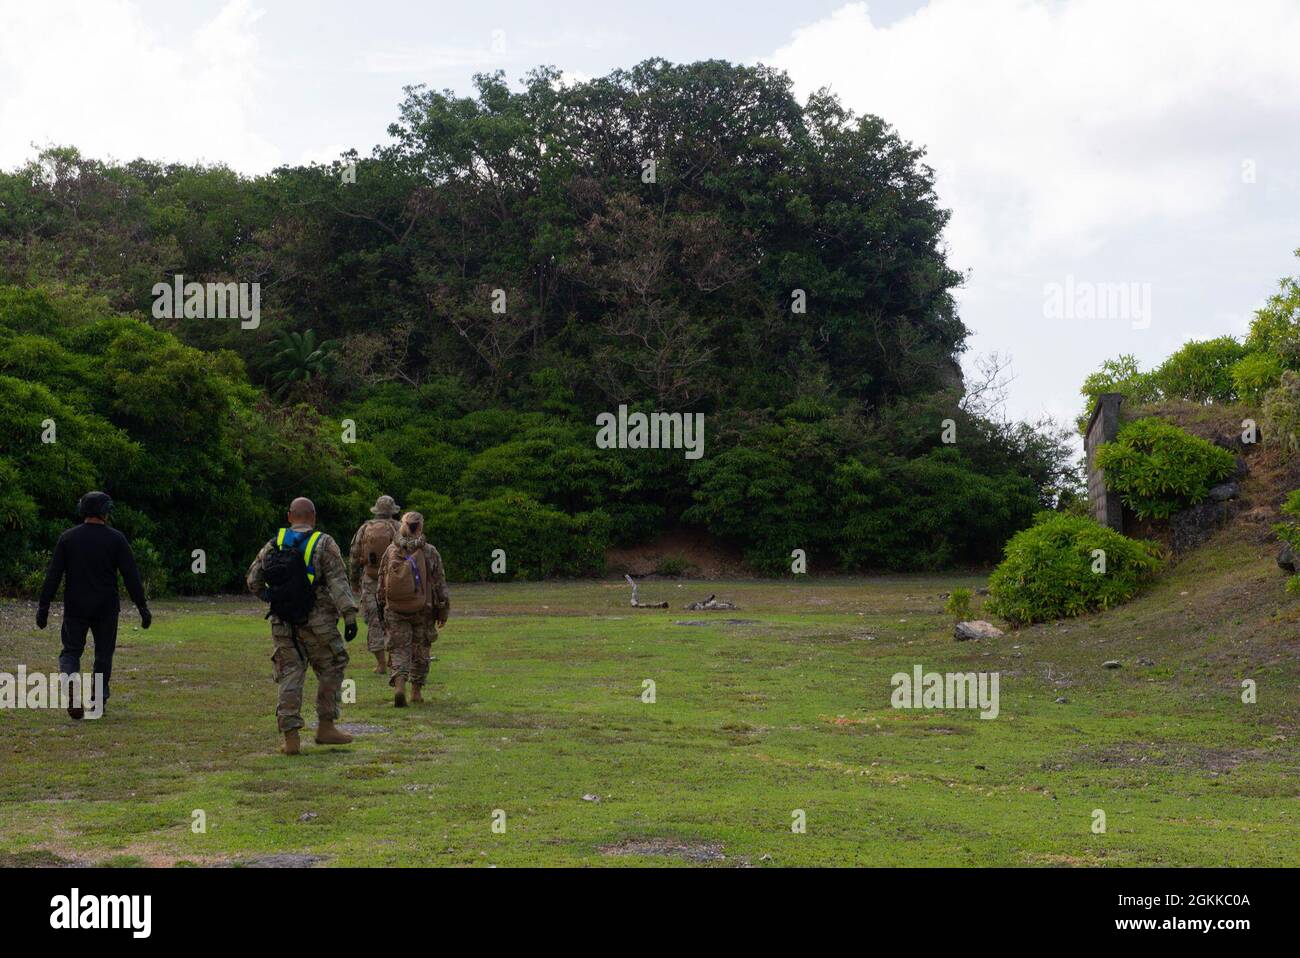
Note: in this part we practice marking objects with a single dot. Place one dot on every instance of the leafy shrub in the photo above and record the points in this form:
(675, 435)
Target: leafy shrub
(1201, 371)
(1255, 374)
(1158, 468)
(422, 439)
(539, 541)
(1048, 572)
(958, 604)
(769, 496)
(1123, 376)
(1276, 326)
(673, 566)
(925, 513)
(803, 485)
(1289, 532)
(1281, 414)
(153, 569)
(1076, 504)
(554, 468)
(189, 452)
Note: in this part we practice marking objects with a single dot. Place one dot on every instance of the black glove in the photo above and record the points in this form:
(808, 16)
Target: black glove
(265, 594)
(42, 616)
(146, 617)
(350, 631)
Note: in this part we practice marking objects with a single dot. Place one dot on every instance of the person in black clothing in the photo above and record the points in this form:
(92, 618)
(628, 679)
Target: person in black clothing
(91, 555)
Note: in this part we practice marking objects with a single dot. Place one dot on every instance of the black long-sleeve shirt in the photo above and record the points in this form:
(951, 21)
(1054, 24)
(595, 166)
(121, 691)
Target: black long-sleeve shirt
(91, 555)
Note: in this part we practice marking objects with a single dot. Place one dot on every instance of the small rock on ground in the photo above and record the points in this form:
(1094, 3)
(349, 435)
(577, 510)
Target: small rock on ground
(1223, 492)
(1287, 560)
(976, 629)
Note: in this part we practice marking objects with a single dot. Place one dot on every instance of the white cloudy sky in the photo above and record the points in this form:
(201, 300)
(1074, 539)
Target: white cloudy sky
(1103, 140)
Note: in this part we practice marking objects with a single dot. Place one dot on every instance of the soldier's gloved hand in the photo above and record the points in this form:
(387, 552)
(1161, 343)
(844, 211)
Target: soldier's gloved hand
(349, 630)
(440, 617)
(42, 616)
(146, 617)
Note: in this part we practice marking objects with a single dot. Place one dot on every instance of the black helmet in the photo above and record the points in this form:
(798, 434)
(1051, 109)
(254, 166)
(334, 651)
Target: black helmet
(95, 504)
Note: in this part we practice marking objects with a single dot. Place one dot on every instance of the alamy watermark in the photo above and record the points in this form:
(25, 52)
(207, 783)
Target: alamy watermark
(75, 911)
(181, 300)
(656, 430)
(950, 690)
(1077, 299)
(55, 690)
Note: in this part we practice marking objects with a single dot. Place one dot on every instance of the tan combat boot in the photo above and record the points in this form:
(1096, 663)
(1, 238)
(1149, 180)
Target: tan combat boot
(399, 692)
(327, 734)
(415, 693)
(381, 666)
(290, 746)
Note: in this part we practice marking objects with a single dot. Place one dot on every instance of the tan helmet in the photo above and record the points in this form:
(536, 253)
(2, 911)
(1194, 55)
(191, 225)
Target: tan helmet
(385, 506)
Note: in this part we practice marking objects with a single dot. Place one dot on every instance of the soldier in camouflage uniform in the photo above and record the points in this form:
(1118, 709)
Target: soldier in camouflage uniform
(365, 573)
(318, 642)
(410, 634)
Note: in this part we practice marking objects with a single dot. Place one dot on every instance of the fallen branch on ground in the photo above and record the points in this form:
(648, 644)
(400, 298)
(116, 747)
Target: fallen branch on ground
(643, 605)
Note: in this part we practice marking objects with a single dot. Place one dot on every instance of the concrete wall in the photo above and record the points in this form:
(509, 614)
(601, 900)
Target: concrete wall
(1103, 427)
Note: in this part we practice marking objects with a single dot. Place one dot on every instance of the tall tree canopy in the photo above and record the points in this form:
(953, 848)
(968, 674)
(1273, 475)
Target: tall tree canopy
(679, 237)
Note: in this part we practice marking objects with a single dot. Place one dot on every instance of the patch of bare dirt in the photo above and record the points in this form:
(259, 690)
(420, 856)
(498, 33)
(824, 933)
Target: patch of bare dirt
(359, 728)
(719, 622)
(1207, 421)
(18, 616)
(38, 858)
(682, 553)
(280, 860)
(698, 852)
(1066, 861)
(1272, 477)
(1164, 755)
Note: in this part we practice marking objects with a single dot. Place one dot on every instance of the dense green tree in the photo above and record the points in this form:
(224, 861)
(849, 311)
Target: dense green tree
(673, 237)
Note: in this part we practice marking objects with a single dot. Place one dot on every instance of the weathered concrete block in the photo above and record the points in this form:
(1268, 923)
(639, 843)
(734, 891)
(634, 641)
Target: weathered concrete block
(1103, 427)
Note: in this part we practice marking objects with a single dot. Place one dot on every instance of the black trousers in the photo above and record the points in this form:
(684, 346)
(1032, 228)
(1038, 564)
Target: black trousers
(104, 629)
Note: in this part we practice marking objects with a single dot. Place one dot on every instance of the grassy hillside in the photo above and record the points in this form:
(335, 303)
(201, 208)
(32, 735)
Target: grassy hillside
(536, 703)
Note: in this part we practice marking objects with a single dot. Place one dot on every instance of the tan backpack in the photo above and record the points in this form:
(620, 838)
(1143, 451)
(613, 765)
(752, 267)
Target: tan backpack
(406, 581)
(376, 537)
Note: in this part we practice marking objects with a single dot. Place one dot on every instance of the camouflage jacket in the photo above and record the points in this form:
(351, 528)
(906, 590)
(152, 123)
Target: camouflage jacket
(356, 558)
(333, 593)
(439, 599)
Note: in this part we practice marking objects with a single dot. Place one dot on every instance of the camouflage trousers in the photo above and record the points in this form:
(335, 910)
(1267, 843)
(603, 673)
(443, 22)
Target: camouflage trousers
(409, 638)
(376, 637)
(323, 648)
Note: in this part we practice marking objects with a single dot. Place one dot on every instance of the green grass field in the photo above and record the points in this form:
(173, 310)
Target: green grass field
(535, 701)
